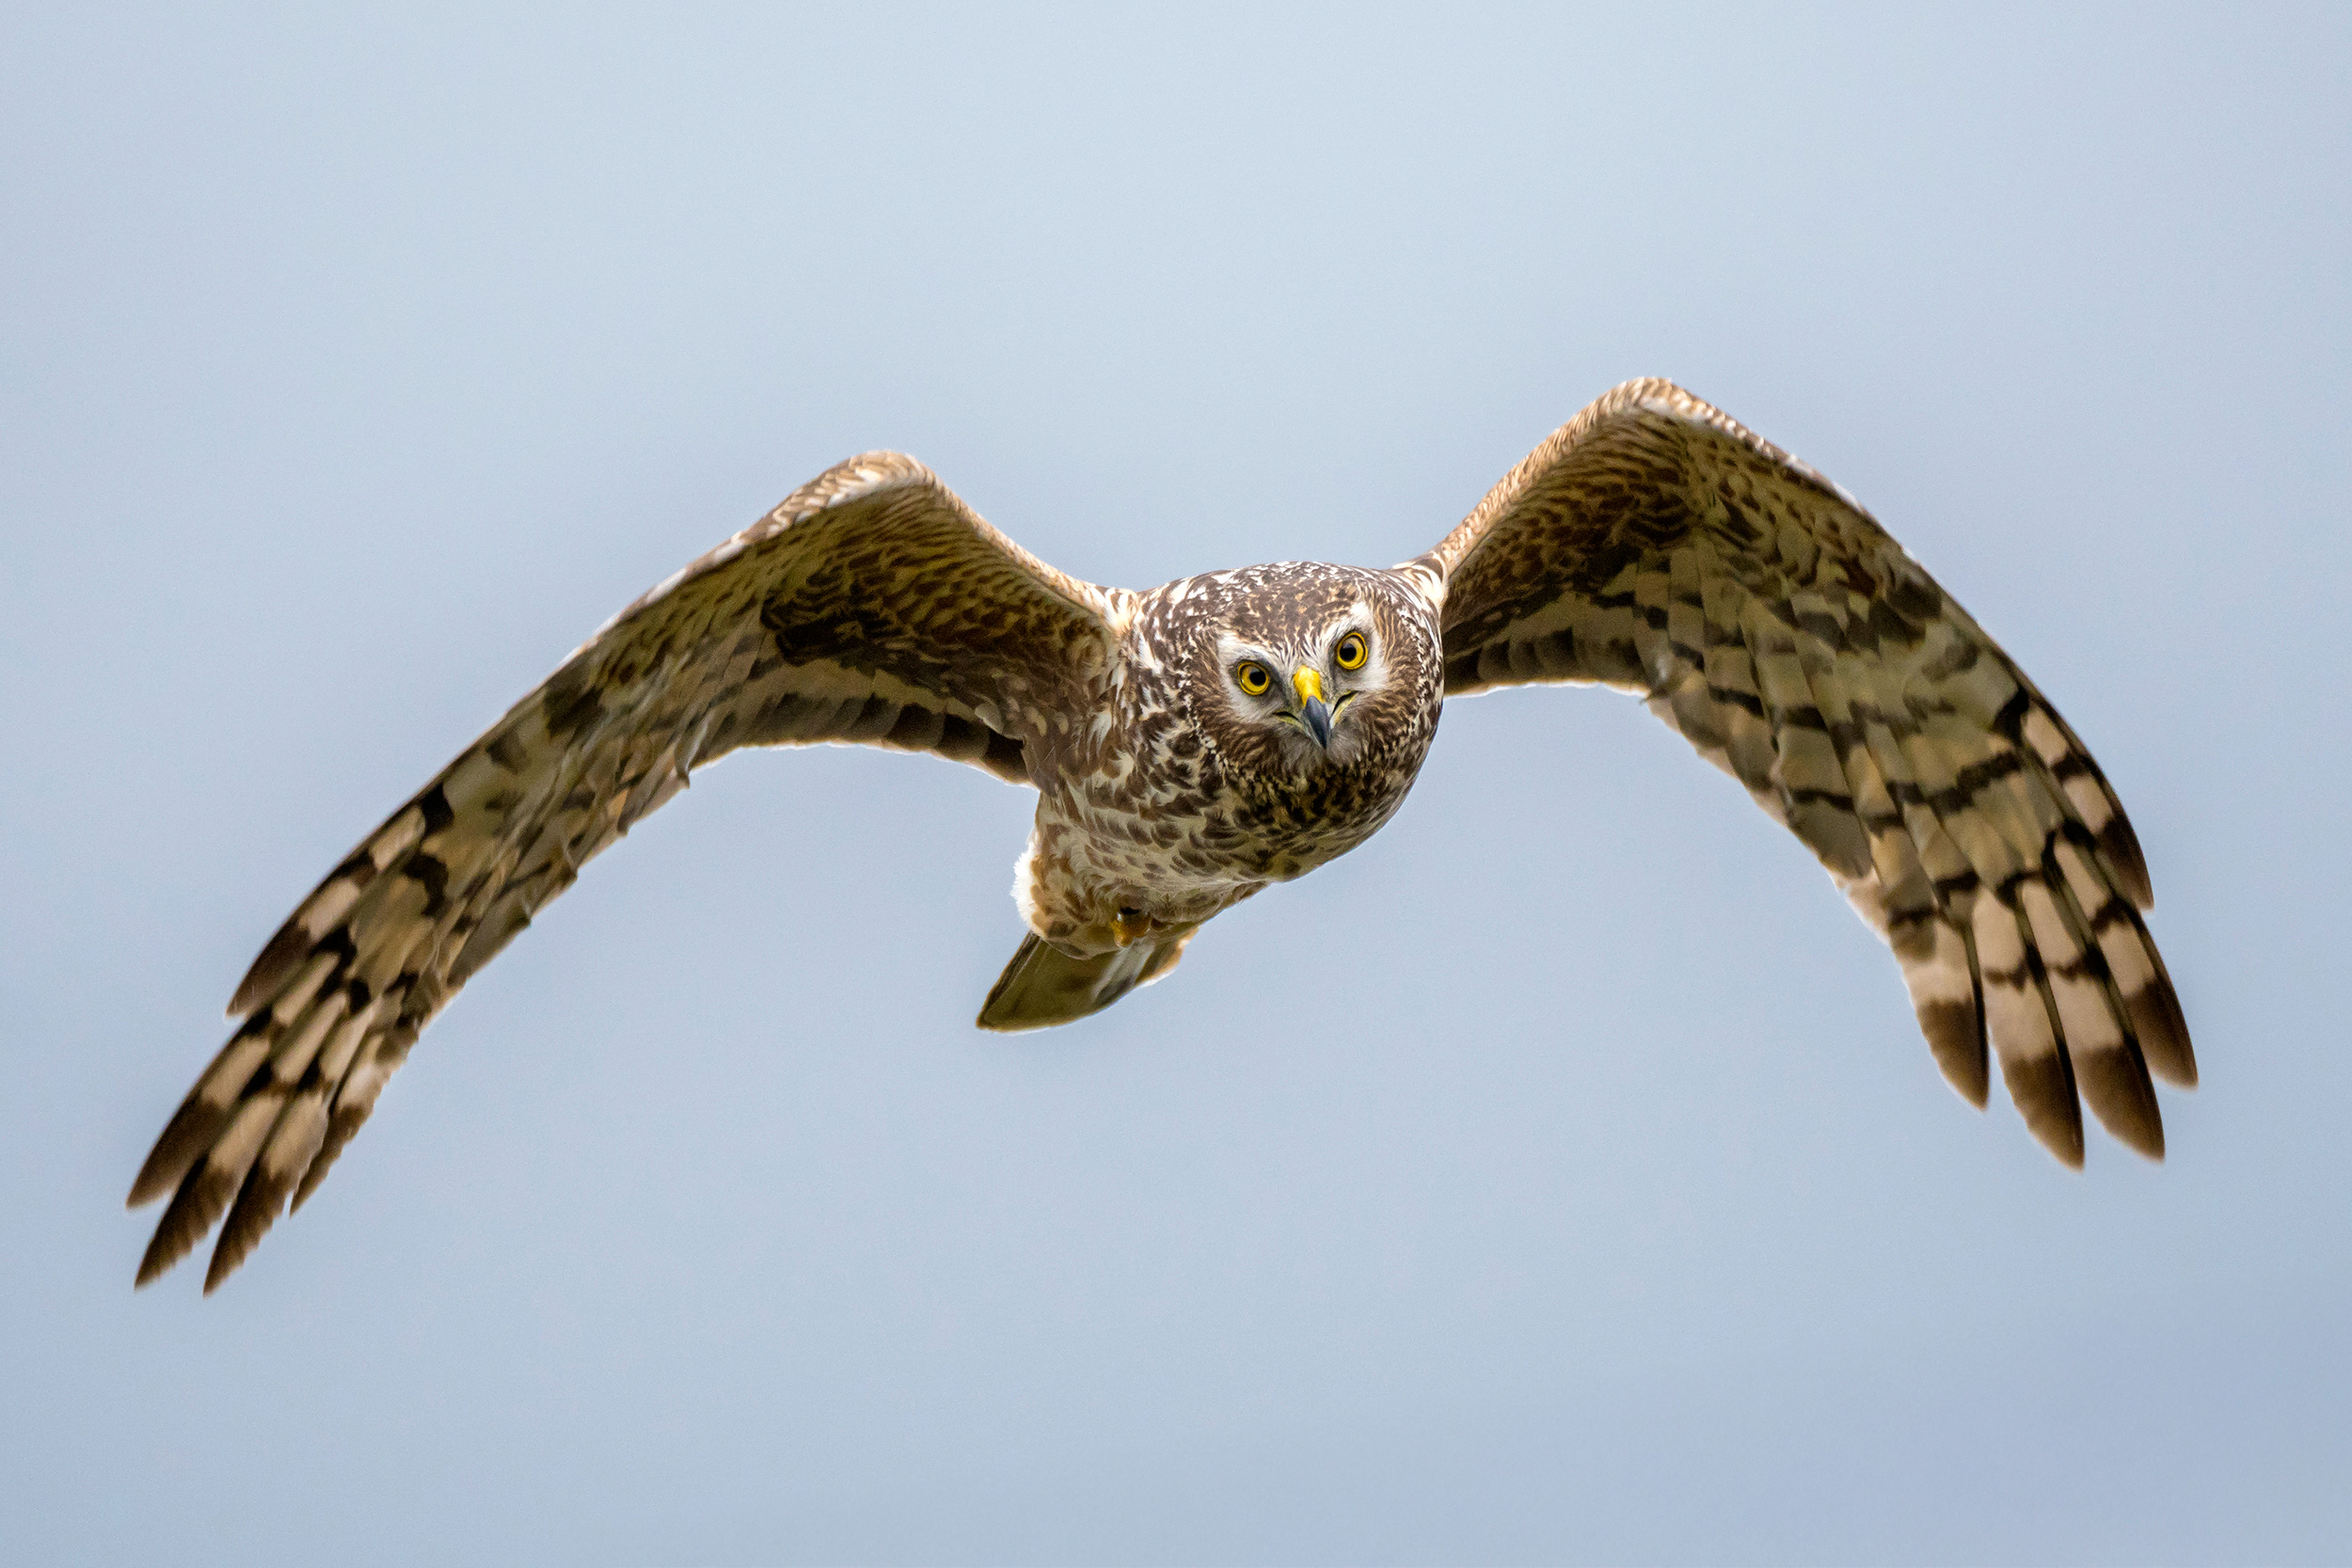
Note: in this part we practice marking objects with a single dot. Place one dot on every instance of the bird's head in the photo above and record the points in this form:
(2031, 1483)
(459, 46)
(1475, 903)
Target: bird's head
(1304, 668)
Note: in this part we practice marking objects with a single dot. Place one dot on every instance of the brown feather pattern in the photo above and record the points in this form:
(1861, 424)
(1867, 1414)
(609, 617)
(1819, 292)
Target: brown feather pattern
(1651, 544)
(1654, 545)
(871, 605)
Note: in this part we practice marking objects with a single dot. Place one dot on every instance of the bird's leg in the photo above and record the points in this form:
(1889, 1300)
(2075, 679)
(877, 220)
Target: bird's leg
(1130, 926)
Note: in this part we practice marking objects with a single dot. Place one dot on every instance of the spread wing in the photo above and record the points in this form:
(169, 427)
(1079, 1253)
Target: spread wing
(872, 606)
(1653, 544)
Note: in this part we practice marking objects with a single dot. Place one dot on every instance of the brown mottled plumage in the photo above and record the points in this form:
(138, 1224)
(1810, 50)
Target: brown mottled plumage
(1651, 544)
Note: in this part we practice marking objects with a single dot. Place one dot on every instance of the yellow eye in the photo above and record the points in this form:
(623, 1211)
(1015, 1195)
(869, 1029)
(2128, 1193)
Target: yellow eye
(1351, 653)
(1254, 677)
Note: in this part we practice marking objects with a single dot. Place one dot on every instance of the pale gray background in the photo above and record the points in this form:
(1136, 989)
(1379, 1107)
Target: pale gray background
(1559, 1178)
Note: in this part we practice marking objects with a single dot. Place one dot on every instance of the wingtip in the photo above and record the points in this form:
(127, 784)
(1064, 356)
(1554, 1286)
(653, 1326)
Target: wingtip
(282, 953)
(182, 1142)
(216, 1272)
(2042, 1086)
(996, 1026)
(164, 1249)
(2145, 1141)
(2162, 1028)
(2065, 1142)
(236, 1244)
(2120, 846)
(1955, 1036)
(2114, 1080)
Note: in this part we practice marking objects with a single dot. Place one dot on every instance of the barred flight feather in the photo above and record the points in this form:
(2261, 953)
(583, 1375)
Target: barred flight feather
(1770, 621)
(821, 623)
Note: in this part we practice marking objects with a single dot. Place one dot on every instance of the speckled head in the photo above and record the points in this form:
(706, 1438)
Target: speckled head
(1298, 670)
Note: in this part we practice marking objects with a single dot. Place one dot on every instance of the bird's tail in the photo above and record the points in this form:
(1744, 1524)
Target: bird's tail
(1043, 986)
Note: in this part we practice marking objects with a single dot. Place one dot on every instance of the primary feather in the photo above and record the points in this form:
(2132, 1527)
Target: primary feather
(872, 605)
(1654, 544)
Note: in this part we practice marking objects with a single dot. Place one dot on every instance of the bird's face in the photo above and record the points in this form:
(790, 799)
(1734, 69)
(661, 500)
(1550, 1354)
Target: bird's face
(1300, 669)
(1306, 692)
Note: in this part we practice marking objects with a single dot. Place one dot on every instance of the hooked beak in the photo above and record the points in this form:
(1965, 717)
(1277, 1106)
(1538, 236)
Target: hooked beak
(1317, 718)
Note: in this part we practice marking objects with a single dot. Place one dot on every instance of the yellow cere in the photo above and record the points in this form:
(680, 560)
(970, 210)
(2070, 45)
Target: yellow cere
(1310, 684)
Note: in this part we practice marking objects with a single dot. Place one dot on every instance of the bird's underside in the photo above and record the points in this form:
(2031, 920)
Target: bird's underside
(1197, 743)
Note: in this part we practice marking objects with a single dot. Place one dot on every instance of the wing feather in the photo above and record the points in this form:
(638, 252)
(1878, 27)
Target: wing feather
(872, 606)
(1655, 544)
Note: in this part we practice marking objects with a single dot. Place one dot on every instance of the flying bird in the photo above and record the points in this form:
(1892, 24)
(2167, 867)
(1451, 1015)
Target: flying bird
(1193, 745)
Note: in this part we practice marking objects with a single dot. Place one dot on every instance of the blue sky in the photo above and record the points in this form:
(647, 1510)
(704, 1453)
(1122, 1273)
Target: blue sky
(1560, 1177)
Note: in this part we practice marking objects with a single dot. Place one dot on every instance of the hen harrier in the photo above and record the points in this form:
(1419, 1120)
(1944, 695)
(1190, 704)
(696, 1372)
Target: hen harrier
(1193, 744)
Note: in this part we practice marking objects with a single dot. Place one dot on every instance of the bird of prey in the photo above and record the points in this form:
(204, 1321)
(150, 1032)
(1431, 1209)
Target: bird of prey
(1194, 744)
